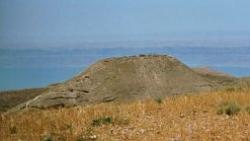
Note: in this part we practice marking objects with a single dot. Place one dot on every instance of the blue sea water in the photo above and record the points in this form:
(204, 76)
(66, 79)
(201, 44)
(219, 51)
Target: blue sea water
(27, 68)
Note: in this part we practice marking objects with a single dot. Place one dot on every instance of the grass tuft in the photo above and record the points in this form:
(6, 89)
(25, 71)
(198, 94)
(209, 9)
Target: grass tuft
(102, 120)
(47, 138)
(13, 130)
(159, 100)
(229, 108)
(247, 109)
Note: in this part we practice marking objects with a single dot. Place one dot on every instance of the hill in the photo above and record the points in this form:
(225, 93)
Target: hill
(126, 79)
(219, 112)
(9, 99)
(210, 72)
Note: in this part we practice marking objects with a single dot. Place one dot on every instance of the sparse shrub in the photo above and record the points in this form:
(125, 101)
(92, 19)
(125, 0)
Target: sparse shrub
(247, 109)
(47, 138)
(61, 138)
(133, 56)
(69, 127)
(159, 100)
(13, 130)
(102, 120)
(142, 55)
(230, 89)
(234, 89)
(229, 108)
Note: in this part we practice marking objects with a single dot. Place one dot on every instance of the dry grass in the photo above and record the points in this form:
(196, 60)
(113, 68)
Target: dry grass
(186, 117)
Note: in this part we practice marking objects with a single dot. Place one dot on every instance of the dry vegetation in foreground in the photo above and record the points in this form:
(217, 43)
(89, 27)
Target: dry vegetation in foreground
(208, 116)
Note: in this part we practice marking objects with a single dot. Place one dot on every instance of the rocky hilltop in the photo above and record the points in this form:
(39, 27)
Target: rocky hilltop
(127, 78)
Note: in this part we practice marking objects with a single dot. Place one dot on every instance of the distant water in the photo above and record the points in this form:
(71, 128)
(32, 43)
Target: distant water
(27, 68)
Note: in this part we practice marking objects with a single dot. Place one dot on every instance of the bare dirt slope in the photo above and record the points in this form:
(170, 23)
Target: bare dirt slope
(220, 78)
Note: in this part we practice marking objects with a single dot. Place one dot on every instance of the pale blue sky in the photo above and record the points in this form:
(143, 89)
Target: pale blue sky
(59, 22)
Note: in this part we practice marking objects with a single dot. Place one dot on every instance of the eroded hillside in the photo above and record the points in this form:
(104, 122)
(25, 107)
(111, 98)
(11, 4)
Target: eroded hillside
(125, 78)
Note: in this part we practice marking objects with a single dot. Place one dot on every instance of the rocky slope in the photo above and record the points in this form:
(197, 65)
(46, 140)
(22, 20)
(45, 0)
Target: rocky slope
(127, 78)
(9, 99)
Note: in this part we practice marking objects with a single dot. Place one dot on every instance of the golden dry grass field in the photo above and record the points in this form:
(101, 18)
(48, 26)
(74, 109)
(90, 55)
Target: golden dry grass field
(213, 116)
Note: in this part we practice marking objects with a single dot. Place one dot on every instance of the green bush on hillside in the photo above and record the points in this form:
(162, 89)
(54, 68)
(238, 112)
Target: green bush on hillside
(102, 120)
(229, 108)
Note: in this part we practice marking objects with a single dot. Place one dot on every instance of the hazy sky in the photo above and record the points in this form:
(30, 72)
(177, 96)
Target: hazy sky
(56, 22)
